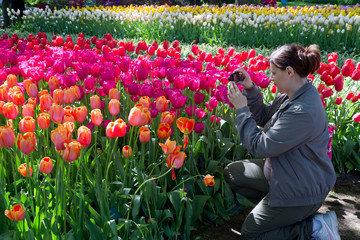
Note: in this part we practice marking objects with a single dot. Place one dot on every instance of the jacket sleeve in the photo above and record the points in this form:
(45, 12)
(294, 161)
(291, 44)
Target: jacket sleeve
(261, 112)
(291, 129)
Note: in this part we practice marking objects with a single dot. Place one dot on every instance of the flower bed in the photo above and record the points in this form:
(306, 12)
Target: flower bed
(332, 28)
(122, 139)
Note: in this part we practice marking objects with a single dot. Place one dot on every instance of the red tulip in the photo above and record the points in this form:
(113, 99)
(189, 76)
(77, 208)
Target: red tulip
(144, 134)
(185, 125)
(356, 117)
(84, 136)
(26, 143)
(45, 102)
(60, 136)
(27, 110)
(96, 117)
(7, 136)
(338, 100)
(27, 124)
(43, 120)
(114, 107)
(71, 151)
(46, 165)
(56, 113)
(80, 114)
(164, 131)
(126, 151)
(162, 104)
(16, 214)
(58, 96)
(209, 180)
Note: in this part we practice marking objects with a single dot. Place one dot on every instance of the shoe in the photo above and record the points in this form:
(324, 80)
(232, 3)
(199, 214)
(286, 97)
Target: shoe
(329, 227)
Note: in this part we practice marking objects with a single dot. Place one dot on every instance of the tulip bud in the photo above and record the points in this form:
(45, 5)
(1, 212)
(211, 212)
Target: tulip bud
(46, 165)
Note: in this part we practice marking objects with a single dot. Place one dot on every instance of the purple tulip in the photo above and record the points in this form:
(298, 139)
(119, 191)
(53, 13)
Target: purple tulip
(199, 127)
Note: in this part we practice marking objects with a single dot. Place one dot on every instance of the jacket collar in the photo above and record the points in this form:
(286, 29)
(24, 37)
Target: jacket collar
(299, 92)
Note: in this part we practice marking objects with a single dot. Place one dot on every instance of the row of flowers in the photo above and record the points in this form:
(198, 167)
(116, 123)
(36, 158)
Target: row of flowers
(128, 95)
(240, 25)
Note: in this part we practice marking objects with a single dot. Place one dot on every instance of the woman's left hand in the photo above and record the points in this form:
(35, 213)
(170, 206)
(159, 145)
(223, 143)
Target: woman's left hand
(235, 96)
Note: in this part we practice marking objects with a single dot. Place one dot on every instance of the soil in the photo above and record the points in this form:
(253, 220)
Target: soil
(344, 199)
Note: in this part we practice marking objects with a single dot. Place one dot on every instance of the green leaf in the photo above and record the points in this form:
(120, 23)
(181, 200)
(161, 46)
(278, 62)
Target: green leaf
(348, 148)
(174, 198)
(212, 165)
(198, 204)
(219, 205)
(225, 149)
(136, 208)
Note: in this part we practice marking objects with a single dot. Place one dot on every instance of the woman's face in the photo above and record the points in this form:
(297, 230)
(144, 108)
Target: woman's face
(280, 78)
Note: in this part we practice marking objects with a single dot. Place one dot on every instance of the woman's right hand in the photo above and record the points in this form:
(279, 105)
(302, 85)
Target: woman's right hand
(247, 83)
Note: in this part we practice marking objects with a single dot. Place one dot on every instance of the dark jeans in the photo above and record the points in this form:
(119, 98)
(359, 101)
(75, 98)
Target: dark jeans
(247, 178)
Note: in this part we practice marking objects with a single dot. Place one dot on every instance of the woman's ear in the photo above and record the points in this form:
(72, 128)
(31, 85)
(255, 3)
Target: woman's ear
(290, 71)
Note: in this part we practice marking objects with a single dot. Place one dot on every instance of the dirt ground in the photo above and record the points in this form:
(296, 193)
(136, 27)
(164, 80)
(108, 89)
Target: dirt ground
(344, 200)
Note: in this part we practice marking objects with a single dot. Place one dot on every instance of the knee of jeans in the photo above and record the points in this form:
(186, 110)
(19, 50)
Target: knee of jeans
(227, 174)
(246, 233)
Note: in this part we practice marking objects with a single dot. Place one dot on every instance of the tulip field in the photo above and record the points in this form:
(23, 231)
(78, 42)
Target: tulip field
(106, 138)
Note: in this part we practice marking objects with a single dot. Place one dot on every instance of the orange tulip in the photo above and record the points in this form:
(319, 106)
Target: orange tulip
(16, 95)
(32, 90)
(176, 159)
(145, 101)
(76, 91)
(4, 89)
(84, 136)
(69, 126)
(72, 151)
(28, 110)
(121, 126)
(80, 114)
(16, 214)
(68, 118)
(168, 147)
(209, 180)
(58, 96)
(114, 94)
(43, 120)
(69, 96)
(53, 83)
(111, 130)
(127, 151)
(139, 116)
(144, 134)
(96, 117)
(162, 104)
(11, 80)
(45, 102)
(7, 136)
(69, 110)
(60, 136)
(167, 117)
(33, 101)
(43, 92)
(185, 125)
(27, 124)
(185, 140)
(27, 142)
(56, 113)
(95, 102)
(23, 172)
(10, 110)
(46, 165)
(114, 107)
(27, 82)
(2, 103)
(164, 131)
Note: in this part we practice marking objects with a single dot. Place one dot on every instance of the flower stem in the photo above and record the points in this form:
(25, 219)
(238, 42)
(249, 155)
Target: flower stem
(150, 179)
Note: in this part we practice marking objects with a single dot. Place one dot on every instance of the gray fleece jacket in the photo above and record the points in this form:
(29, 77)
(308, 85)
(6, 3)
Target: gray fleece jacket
(295, 137)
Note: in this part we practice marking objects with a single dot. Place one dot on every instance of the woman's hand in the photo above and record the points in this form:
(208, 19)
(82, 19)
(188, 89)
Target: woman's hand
(236, 97)
(247, 83)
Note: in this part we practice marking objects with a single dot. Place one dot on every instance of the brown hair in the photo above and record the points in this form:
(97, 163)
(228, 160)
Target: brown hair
(304, 61)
